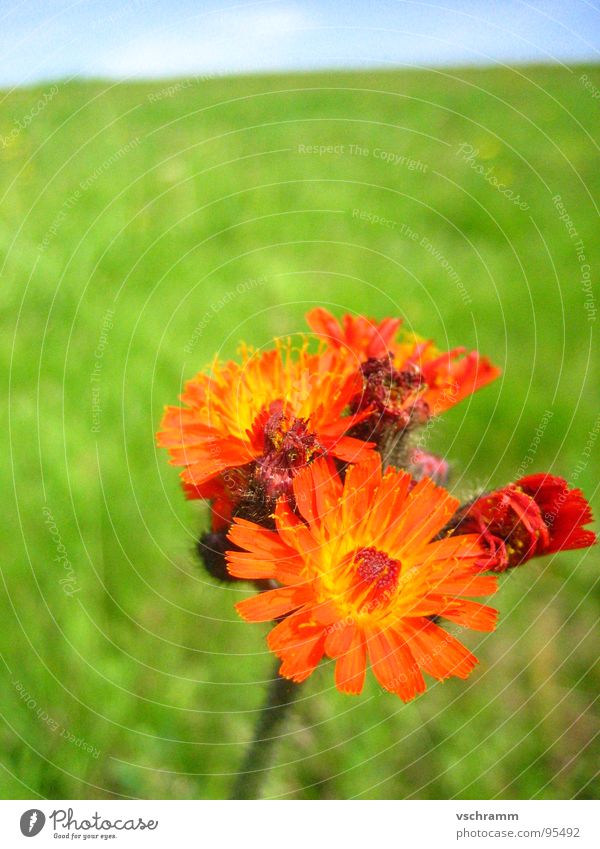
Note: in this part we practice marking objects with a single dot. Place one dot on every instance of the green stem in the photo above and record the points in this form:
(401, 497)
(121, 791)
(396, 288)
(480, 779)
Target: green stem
(258, 760)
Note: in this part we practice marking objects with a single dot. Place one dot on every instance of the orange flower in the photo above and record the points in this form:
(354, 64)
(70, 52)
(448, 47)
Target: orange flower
(360, 576)
(448, 377)
(268, 416)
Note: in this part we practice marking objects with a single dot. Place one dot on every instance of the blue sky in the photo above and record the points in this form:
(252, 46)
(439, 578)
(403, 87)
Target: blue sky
(145, 38)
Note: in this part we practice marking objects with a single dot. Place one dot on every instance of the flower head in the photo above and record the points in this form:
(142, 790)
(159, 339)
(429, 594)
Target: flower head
(537, 515)
(393, 398)
(446, 378)
(361, 577)
(247, 429)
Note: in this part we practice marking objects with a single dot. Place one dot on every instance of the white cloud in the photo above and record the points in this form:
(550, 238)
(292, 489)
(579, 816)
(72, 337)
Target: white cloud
(236, 40)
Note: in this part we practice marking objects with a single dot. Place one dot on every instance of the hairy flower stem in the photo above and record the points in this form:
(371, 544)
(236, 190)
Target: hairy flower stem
(395, 448)
(257, 762)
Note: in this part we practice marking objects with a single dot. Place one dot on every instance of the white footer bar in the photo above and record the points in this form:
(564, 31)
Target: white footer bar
(301, 825)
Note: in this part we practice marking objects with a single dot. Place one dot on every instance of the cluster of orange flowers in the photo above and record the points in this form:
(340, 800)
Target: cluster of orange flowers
(320, 495)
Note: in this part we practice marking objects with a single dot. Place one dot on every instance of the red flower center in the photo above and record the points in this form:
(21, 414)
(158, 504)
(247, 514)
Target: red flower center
(378, 570)
(393, 396)
(288, 446)
(388, 387)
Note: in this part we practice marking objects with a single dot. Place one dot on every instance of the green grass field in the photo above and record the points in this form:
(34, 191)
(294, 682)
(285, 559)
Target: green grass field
(142, 229)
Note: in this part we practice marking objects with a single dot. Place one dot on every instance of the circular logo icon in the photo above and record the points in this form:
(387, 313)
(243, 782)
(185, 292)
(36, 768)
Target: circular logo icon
(32, 822)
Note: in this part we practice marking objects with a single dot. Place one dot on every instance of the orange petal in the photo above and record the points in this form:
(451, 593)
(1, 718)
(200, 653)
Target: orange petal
(339, 638)
(274, 603)
(258, 539)
(359, 335)
(209, 459)
(349, 449)
(301, 661)
(351, 667)
(453, 381)
(311, 619)
(293, 531)
(267, 556)
(480, 617)
(436, 651)
(322, 322)
(317, 489)
(467, 582)
(386, 508)
(249, 566)
(360, 486)
(252, 567)
(461, 545)
(299, 642)
(179, 427)
(426, 510)
(393, 664)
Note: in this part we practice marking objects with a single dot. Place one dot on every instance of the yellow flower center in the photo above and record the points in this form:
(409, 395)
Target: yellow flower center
(365, 583)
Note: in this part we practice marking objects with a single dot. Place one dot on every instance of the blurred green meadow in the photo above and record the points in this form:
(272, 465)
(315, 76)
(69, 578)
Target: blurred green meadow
(145, 227)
